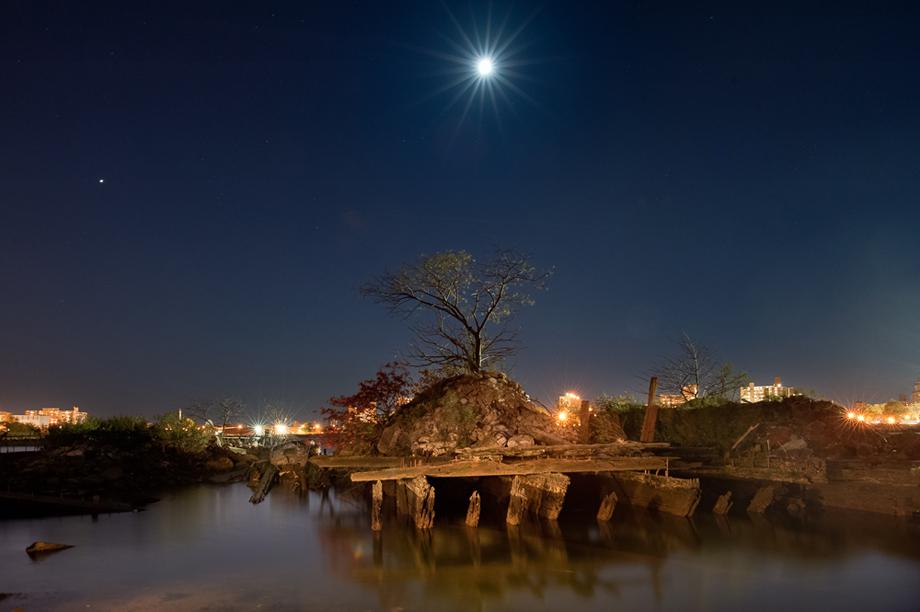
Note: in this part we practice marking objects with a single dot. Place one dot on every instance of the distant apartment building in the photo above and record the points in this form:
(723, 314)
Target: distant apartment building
(570, 403)
(673, 400)
(49, 417)
(752, 394)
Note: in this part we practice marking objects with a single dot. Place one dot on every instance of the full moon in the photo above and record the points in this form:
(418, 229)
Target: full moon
(484, 66)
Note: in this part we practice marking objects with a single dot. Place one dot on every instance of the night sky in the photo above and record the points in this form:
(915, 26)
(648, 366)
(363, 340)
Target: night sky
(749, 177)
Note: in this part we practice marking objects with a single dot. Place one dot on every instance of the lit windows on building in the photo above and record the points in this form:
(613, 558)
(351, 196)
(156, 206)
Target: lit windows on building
(752, 394)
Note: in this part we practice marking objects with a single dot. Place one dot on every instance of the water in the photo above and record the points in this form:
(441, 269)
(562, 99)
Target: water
(208, 548)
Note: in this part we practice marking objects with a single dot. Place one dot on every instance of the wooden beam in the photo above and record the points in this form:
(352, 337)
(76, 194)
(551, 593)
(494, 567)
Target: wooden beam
(621, 448)
(472, 469)
(651, 413)
(336, 461)
(584, 424)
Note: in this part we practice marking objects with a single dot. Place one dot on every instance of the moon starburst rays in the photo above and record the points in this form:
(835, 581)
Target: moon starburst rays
(482, 65)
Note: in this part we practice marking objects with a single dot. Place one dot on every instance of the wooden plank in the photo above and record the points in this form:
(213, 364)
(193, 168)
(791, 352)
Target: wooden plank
(336, 461)
(472, 469)
(743, 436)
(624, 447)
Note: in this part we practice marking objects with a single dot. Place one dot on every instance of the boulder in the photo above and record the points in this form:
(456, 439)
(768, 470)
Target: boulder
(520, 441)
(219, 464)
(290, 455)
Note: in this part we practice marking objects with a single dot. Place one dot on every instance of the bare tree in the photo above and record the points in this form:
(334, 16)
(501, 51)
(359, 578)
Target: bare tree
(467, 304)
(693, 372)
(217, 412)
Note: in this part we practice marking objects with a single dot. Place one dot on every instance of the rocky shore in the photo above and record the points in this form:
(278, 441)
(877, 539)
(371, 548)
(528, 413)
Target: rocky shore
(92, 475)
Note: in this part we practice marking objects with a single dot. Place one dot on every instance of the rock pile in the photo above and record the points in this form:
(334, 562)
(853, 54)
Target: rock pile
(478, 410)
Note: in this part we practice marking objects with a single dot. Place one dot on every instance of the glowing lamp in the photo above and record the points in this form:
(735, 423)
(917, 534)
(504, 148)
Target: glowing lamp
(563, 416)
(281, 429)
(258, 430)
(851, 415)
(890, 420)
(861, 418)
(485, 66)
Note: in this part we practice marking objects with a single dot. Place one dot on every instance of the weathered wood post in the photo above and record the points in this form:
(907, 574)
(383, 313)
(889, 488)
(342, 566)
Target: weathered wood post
(540, 494)
(376, 505)
(584, 418)
(723, 504)
(608, 503)
(651, 413)
(420, 498)
(763, 499)
(265, 483)
(472, 513)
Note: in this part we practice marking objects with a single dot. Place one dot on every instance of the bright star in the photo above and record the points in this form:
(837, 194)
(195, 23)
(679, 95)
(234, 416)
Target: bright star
(484, 66)
(101, 180)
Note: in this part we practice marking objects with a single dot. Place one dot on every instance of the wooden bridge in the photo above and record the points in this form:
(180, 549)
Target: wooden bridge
(535, 476)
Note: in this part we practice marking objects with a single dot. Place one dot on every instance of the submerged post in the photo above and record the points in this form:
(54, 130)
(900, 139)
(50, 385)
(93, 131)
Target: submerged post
(723, 504)
(538, 494)
(651, 413)
(608, 504)
(376, 505)
(472, 513)
(420, 501)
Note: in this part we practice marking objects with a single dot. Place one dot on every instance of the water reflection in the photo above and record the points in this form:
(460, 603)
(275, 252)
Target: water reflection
(208, 548)
(596, 562)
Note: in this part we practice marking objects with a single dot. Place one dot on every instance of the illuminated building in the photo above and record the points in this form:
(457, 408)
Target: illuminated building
(570, 402)
(752, 394)
(915, 396)
(50, 417)
(6, 417)
(672, 400)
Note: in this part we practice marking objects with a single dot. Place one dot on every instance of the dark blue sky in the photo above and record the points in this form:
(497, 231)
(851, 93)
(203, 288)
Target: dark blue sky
(749, 176)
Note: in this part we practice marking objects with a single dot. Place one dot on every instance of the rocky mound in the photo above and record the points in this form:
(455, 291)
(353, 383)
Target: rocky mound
(479, 410)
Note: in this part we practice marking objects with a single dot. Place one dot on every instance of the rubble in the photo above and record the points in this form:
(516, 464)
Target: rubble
(470, 410)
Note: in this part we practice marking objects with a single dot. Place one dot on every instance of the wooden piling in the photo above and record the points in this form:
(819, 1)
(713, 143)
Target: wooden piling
(608, 503)
(539, 494)
(420, 499)
(584, 426)
(376, 505)
(763, 499)
(265, 483)
(723, 504)
(472, 513)
(651, 413)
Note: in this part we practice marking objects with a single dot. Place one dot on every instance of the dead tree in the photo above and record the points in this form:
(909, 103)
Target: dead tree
(467, 304)
(693, 372)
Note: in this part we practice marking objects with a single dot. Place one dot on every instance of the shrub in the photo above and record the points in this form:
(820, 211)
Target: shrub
(121, 432)
(181, 434)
